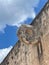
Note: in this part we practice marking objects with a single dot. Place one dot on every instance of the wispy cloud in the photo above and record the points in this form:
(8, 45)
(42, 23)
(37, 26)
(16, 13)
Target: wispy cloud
(4, 52)
(13, 12)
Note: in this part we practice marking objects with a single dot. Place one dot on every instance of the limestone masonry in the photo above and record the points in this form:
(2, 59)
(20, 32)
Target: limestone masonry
(34, 48)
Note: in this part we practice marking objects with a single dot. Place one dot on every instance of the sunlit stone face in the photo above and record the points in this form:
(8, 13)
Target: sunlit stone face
(26, 33)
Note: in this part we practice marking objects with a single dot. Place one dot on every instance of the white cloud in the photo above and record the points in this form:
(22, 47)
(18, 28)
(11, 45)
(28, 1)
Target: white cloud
(13, 12)
(4, 52)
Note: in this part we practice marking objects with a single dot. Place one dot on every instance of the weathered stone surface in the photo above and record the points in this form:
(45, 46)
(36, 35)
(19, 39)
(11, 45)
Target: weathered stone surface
(23, 54)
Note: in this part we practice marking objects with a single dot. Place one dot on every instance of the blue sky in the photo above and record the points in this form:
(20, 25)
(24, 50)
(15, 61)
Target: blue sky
(14, 13)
